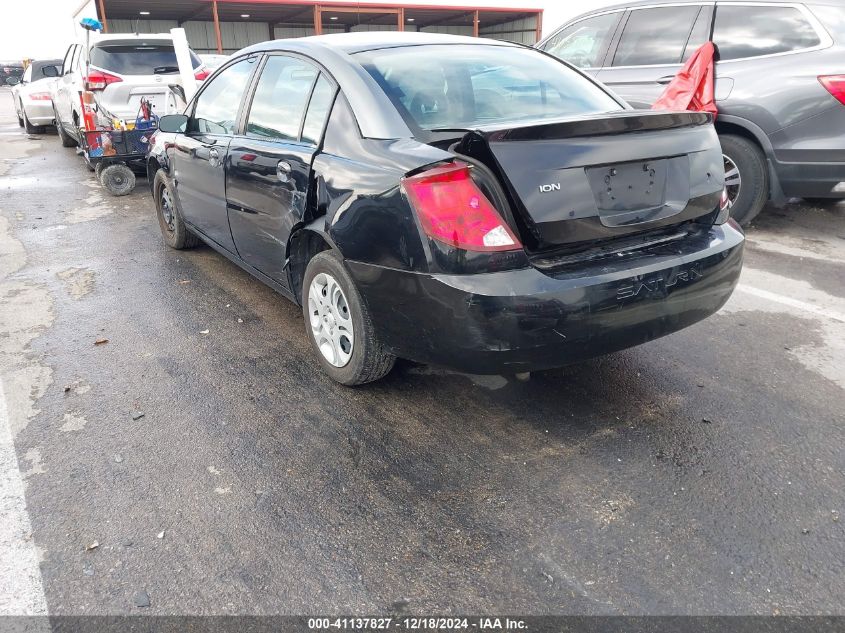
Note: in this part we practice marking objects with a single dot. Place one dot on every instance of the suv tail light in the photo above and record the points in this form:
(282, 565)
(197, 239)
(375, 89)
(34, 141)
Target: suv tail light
(202, 73)
(453, 210)
(835, 85)
(98, 80)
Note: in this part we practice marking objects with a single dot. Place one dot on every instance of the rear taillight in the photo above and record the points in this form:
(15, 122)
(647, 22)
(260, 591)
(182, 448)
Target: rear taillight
(202, 73)
(40, 96)
(453, 210)
(835, 85)
(98, 80)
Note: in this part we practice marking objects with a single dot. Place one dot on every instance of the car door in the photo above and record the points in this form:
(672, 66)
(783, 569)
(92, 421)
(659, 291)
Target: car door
(268, 170)
(584, 43)
(200, 153)
(653, 45)
(65, 86)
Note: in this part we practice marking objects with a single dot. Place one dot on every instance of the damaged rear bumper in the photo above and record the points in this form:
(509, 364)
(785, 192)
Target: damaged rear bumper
(526, 320)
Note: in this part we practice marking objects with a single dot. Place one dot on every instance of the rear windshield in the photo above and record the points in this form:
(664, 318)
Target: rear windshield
(469, 85)
(138, 59)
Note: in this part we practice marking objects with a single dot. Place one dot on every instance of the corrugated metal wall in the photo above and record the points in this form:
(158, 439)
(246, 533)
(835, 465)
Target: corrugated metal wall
(523, 31)
(201, 37)
(143, 26)
(237, 35)
(449, 30)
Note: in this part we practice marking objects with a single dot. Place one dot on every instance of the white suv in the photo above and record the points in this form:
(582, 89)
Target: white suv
(123, 69)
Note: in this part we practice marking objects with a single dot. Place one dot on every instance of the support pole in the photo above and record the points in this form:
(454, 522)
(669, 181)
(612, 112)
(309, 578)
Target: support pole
(539, 34)
(475, 23)
(103, 18)
(318, 20)
(400, 18)
(217, 27)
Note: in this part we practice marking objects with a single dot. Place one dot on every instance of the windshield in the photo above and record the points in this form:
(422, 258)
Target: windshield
(471, 85)
(138, 59)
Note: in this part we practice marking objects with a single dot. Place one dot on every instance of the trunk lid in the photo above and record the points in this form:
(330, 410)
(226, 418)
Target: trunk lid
(604, 176)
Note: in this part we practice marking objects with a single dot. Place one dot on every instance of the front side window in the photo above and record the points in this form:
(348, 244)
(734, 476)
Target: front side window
(582, 44)
(468, 85)
(216, 111)
(280, 99)
(751, 31)
(655, 36)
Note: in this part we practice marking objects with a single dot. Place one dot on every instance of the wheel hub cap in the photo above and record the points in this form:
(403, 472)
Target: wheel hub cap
(167, 209)
(330, 319)
(733, 179)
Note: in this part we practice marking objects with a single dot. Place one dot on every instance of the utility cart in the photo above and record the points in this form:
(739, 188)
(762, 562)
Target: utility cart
(116, 153)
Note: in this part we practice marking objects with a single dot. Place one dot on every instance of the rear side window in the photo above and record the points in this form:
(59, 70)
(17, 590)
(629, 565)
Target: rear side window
(217, 107)
(751, 31)
(466, 85)
(582, 44)
(318, 111)
(138, 59)
(280, 99)
(655, 36)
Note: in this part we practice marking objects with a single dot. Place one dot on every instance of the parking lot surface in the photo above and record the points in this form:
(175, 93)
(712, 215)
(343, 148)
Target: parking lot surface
(180, 451)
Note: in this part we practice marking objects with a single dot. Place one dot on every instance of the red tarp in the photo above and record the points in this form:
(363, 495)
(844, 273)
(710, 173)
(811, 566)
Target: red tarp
(692, 87)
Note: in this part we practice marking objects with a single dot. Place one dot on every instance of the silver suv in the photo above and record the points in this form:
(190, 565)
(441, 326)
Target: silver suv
(123, 69)
(780, 83)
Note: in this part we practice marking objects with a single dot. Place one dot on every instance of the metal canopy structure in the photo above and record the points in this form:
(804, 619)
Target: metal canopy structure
(292, 18)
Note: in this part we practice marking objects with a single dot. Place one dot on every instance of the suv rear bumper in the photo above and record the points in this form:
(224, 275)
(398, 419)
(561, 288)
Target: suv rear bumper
(526, 320)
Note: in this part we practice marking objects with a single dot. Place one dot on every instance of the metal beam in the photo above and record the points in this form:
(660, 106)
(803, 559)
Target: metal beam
(217, 27)
(103, 17)
(475, 23)
(400, 19)
(318, 20)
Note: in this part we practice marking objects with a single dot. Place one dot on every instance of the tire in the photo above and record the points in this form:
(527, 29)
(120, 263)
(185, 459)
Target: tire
(364, 359)
(66, 139)
(173, 229)
(118, 179)
(753, 187)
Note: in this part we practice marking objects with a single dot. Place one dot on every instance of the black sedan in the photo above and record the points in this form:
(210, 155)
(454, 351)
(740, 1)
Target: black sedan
(463, 202)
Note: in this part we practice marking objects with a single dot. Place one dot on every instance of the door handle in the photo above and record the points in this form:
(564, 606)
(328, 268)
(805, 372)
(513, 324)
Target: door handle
(665, 80)
(213, 157)
(283, 171)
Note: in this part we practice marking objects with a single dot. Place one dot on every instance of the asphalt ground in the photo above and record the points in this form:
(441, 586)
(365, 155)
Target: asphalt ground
(223, 473)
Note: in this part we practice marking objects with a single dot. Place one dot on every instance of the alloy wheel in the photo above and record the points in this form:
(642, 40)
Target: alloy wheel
(331, 321)
(733, 179)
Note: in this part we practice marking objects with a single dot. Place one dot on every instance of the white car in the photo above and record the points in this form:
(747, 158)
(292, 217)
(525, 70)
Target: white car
(213, 61)
(123, 70)
(32, 96)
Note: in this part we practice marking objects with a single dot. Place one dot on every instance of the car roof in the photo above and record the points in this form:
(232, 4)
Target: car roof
(130, 37)
(647, 3)
(351, 43)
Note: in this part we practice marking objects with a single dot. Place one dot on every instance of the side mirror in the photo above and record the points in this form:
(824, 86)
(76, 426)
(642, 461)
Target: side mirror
(12, 81)
(50, 71)
(176, 123)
